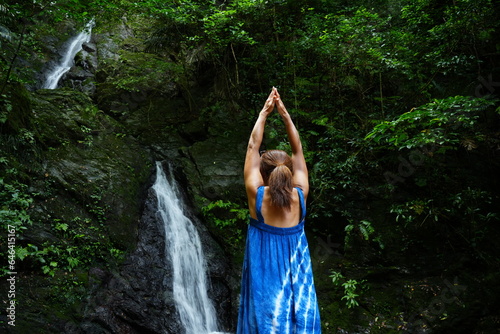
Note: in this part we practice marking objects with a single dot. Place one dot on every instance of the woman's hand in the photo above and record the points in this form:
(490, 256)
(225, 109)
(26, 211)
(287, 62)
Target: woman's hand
(279, 103)
(270, 103)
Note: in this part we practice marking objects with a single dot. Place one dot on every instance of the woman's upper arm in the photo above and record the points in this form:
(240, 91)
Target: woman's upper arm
(253, 178)
(300, 173)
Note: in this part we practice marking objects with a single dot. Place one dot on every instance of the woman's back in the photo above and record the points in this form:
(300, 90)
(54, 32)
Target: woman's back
(280, 217)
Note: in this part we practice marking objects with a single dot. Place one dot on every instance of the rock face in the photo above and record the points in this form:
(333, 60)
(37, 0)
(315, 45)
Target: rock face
(138, 298)
(81, 75)
(88, 163)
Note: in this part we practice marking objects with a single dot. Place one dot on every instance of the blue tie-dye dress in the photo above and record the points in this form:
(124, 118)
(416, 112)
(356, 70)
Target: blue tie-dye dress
(277, 288)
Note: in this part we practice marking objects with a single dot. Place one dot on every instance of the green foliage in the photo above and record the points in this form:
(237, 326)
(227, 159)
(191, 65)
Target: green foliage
(88, 141)
(239, 214)
(138, 72)
(475, 218)
(187, 25)
(395, 148)
(351, 288)
(416, 211)
(443, 123)
(14, 215)
(5, 17)
(75, 245)
(350, 295)
(362, 36)
(364, 229)
(229, 219)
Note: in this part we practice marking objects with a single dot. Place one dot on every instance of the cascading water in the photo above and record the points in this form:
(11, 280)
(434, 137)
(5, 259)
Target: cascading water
(183, 245)
(74, 46)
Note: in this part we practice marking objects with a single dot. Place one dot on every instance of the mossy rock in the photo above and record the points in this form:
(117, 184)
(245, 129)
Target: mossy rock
(15, 108)
(64, 116)
(89, 161)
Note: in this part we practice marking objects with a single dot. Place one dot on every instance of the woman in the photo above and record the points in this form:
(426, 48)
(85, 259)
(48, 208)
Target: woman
(277, 290)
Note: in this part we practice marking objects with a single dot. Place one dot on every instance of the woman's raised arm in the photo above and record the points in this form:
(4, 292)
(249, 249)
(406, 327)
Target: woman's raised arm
(300, 173)
(253, 178)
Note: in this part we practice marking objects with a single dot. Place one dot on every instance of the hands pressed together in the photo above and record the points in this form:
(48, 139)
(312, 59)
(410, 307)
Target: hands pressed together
(252, 162)
(274, 100)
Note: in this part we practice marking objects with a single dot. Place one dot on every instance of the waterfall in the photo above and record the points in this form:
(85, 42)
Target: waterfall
(74, 46)
(183, 246)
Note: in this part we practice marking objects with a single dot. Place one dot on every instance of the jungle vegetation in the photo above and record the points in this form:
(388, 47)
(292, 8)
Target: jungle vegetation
(396, 102)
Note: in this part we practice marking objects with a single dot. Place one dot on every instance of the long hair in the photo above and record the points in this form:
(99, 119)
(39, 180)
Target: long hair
(276, 168)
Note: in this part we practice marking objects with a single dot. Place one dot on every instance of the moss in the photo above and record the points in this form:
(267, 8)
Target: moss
(91, 179)
(47, 303)
(20, 115)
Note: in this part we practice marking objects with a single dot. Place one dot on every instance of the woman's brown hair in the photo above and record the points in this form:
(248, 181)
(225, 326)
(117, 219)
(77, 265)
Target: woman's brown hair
(276, 168)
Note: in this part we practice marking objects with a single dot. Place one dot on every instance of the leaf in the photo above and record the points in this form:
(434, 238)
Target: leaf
(61, 227)
(22, 253)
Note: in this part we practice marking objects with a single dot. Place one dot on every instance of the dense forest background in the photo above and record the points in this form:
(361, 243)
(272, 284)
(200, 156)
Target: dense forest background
(396, 102)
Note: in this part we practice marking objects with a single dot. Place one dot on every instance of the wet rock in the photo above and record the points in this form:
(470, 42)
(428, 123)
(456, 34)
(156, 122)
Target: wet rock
(138, 297)
(135, 299)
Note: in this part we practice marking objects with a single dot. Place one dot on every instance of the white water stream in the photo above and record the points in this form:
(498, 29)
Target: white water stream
(74, 46)
(183, 245)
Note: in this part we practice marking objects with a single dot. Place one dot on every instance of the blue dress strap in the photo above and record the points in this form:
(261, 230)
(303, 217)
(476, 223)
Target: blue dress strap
(258, 204)
(302, 204)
